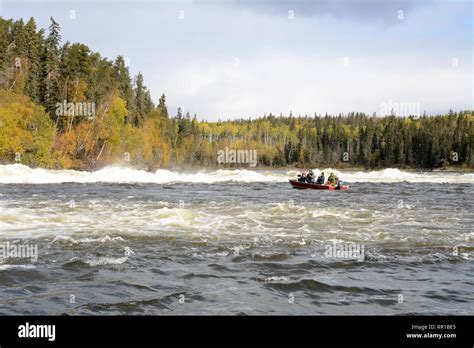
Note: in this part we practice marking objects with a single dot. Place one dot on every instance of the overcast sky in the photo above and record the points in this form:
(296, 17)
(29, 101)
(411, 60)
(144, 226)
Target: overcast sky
(236, 58)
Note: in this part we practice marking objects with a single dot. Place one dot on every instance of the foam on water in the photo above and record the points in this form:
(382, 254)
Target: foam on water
(283, 223)
(65, 238)
(21, 174)
(8, 267)
(392, 175)
(235, 246)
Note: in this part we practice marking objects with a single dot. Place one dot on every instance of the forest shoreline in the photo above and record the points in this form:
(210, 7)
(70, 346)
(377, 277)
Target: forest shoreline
(325, 166)
(63, 106)
(176, 168)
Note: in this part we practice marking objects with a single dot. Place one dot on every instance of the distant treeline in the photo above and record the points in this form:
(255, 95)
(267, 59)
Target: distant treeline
(64, 106)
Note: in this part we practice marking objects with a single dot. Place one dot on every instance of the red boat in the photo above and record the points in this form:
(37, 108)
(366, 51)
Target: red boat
(304, 185)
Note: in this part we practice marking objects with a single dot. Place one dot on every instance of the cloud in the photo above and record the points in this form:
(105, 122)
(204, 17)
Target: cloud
(356, 10)
(284, 64)
(280, 83)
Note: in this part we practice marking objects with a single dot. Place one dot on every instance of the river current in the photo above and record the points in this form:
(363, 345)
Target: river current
(124, 241)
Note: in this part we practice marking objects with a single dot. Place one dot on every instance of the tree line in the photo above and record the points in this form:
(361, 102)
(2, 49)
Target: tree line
(44, 82)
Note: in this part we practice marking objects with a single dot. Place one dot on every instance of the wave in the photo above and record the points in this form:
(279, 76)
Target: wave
(21, 174)
(100, 261)
(106, 261)
(8, 267)
(71, 240)
(392, 175)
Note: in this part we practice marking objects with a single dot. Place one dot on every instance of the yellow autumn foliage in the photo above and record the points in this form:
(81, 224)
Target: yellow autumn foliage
(26, 131)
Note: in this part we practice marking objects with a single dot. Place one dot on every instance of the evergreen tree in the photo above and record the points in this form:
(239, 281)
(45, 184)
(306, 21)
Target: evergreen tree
(140, 100)
(34, 48)
(122, 75)
(49, 90)
(162, 106)
(21, 40)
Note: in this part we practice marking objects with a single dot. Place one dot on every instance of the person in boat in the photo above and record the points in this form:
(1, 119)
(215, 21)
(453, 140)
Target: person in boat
(321, 179)
(302, 177)
(332, 180)
(310, 177)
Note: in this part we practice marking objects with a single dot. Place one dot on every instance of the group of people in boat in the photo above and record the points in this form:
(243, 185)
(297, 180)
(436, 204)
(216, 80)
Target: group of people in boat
(309, 178)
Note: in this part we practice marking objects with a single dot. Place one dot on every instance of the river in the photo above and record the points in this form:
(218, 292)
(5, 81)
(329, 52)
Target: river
(213, 242)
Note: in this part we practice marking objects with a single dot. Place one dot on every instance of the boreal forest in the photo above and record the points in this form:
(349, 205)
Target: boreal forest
(65, 106)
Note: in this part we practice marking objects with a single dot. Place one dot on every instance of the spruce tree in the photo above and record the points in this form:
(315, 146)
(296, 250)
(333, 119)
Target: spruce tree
(34, 46)
(162, 106)
(49, 89)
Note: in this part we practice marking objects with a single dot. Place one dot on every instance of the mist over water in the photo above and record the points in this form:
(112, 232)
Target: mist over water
(124, 241)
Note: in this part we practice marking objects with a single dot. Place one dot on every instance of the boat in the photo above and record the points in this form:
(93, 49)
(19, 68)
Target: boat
(305, 185)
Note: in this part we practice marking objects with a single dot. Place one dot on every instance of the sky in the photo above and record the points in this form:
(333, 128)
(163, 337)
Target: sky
(239, 58)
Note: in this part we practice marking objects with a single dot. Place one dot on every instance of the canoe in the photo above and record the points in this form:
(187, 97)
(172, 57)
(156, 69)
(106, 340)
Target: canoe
(304, 185)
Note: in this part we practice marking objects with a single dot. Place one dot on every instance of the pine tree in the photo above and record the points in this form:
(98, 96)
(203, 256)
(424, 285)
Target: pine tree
(4, 43)
(34, 47)
(140, 101)
(122, 75)
(162, 106)
(149, 106)
(49, 90)
(20, 42)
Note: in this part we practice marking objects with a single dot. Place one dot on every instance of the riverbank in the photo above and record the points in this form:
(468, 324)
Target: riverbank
(460, 169)
(319, 166)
